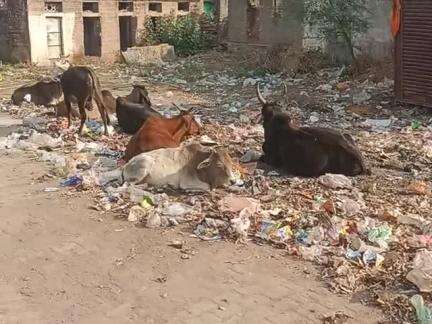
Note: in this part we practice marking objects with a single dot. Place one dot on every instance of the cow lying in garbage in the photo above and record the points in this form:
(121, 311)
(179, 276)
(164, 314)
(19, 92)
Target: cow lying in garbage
(160, 132)
(109, 101)
(306, 151)
(43, 93)
(189, 167)
(139, 95)
(134, 109)
(81, 82)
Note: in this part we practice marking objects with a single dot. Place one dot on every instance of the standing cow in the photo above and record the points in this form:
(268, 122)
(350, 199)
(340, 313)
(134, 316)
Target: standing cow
(82, 83)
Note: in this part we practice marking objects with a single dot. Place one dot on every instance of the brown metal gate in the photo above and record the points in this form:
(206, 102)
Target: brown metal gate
(413, 77)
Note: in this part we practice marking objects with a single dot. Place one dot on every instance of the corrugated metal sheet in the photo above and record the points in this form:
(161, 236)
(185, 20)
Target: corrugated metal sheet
(413, 78)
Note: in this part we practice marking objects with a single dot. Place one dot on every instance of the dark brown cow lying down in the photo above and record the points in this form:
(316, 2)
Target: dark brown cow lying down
(109, 101)
(139, 95)
(43, 93)
(134, 109)
(306, 151)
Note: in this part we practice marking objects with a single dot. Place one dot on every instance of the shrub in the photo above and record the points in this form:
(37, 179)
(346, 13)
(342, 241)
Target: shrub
(184, 33)
(339, 19)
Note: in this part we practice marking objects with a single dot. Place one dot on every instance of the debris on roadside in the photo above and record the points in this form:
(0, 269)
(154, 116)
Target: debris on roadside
(373, 233)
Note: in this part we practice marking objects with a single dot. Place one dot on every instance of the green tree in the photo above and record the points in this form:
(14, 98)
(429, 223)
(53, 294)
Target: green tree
(342, 20)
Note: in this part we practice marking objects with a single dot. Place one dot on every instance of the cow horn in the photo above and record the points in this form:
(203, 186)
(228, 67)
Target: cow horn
(177, 106)
(260, 96)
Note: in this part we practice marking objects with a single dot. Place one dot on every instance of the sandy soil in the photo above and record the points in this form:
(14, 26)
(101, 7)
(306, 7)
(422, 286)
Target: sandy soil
(61, 262)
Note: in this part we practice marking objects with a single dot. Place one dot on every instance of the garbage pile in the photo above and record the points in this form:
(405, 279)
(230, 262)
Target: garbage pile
(371, 235)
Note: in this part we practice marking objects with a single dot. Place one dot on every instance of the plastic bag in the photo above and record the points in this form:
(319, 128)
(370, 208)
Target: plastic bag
(424, 313)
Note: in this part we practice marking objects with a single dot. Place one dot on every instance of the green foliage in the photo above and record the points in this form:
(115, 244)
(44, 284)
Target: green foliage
(342, 20)
(184, 33)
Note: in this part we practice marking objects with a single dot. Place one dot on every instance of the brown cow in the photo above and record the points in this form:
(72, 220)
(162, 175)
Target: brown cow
(160, 132)
(109, 101)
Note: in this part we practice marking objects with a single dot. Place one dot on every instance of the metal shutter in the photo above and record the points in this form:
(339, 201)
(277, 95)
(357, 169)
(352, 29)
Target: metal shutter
(413, 77)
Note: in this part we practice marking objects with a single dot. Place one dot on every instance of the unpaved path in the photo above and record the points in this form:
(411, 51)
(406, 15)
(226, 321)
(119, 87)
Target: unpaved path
(61, 262)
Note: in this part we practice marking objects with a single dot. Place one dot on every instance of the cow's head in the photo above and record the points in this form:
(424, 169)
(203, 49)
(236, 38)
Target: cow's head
(217, 169)
(20, 95)
(269, 107)
(192, 126)
(140, 94)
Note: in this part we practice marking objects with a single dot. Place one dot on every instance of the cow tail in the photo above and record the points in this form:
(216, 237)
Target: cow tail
(97, 92)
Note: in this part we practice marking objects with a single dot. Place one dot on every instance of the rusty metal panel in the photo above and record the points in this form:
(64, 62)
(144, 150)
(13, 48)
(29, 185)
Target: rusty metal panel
(413, 77)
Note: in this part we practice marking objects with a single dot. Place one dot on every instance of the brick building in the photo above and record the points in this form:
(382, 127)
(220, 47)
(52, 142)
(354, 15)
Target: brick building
(40, 31)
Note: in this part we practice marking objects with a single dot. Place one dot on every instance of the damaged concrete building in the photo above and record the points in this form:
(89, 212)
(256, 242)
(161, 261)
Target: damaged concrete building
(40, 31)
(265, 23)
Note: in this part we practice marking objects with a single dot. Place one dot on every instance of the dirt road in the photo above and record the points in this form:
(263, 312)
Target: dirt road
(61, 262)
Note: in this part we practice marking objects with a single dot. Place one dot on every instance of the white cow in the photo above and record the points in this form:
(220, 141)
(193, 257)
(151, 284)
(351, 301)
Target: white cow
(189, 167)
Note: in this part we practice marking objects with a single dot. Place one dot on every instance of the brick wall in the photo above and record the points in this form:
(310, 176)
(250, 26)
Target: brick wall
(110, 30)
(76, 48)
(26, 27)
(14, 37)
(4, 46)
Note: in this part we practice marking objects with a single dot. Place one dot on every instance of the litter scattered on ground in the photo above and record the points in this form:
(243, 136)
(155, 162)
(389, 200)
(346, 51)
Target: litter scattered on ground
(424, 313)
(421, 274)
(372, 234)
(73, 181)
(51, 189)
(335, 181)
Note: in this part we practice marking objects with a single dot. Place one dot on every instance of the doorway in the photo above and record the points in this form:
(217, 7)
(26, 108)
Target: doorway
(54, 37)
(128, 27)
(92, 36)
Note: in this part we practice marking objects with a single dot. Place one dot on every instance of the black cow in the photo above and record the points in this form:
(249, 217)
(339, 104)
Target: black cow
(131, 116)
(109, 100)
(42, 93)
(82, 83)
(306, 151)
(139, 95)
(134, 109)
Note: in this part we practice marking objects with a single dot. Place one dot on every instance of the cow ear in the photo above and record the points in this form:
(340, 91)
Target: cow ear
(204, 164)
